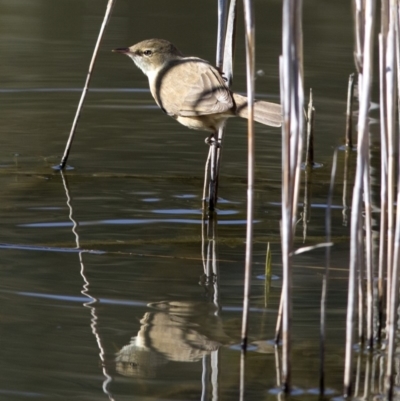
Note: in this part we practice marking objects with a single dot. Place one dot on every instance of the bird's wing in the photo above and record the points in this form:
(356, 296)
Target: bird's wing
(192, 87)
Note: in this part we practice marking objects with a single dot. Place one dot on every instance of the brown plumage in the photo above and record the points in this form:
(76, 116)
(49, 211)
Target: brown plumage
(191, 90)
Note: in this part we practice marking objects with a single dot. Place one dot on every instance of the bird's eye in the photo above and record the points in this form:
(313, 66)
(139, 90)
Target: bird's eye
(148, 53)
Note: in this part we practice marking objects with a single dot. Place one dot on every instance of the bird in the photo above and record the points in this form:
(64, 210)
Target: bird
(193, 91)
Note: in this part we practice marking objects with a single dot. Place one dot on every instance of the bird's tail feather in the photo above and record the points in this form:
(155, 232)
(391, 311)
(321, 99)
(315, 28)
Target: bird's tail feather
(264, 112)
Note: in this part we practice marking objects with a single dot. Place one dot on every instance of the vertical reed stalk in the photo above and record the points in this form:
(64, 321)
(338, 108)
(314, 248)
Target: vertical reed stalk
(344, 193)
(222, 14)
(306, 215)
(278, 328)
(268, 274)
(391, 133)
(287, 242)
(107, 15)
(213, 224)
(358, 374)
(227, 68)
(212, 200)
(205, 378)
(392, 297)
(364, 53)
(360, 282)
(384, 117)
(325, 278)
(224, 62)
(393, 305)
(277, 367)
(216, 153)
(384, 191)
(206, 179)
(292, 99)
(203, 243)
(359, 17)
(250, 59)
(298, 108)
(230, 41)
(368, 379)
(349, 112)
(250, 69)
(382, 269)
(368, 249)
(310, 132)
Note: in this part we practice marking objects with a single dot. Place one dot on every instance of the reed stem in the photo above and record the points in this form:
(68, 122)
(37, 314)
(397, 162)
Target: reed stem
(349, 112)
(310, 132)
(106, 18)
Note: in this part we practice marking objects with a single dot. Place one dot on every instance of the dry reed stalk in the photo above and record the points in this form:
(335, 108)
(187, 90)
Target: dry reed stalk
(215, 267)
(364, 57)
(292, 99)
(310, 132)
(368, 250)
(360, 282)
(368, 378)
(345, 182)
(384, 113)
(277, 367)
(391, 134)
(297, 108)
(212, 198)
(230, 41)
(358, 57)
(214, 154)
(287, 242)
(325, 278)
(209, 258)
(359, 19)
(222, 15)
(206, 179)
(349, 112)
(250, 75)
(384, 192)
(203, 242)
(393, 305)
(306, 214)
(278, 328)
(250, 59)
(268, 275)
(393, 48)
(224, 61)
(358, 374)
(106, 18)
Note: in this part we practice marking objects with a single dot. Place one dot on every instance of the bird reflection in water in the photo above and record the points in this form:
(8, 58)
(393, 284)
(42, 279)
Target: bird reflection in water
(176, 331)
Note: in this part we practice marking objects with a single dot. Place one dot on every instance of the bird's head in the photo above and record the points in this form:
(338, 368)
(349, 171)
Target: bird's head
(151, 55)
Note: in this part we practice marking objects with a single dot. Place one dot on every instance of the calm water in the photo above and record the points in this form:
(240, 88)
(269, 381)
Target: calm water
(133, 316)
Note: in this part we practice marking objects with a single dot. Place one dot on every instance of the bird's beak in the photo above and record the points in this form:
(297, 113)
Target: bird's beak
(123, 50)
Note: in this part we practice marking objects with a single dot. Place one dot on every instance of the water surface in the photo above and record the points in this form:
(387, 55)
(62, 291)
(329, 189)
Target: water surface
(104, 287)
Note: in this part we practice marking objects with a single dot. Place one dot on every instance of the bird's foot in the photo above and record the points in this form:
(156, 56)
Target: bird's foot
(211, 141)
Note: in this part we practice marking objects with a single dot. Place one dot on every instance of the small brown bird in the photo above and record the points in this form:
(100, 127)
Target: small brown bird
(191, 90)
